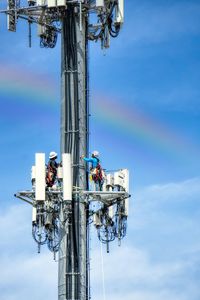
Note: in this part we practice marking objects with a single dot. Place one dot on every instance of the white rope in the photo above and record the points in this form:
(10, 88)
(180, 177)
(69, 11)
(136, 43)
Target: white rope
(103, 277)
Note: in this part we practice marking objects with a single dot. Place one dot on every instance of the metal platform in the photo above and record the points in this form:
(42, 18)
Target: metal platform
(106, 197)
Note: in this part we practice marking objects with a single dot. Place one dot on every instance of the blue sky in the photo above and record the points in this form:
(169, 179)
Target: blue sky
(145, 110)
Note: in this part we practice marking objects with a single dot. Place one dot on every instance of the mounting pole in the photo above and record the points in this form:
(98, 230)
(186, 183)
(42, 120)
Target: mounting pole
(73, 271)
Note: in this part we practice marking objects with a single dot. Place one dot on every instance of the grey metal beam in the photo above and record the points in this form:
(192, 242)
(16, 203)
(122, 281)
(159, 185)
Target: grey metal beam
(72, 274)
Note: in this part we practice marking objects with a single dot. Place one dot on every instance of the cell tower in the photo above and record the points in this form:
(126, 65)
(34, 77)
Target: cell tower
(62, 214)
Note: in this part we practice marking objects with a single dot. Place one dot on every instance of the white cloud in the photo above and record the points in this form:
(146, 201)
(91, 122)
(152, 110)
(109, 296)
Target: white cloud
(169, 212)
(144, 267)
(155, 195)
(159, 258)
(130, 273)
(28, 276)
(24, 273)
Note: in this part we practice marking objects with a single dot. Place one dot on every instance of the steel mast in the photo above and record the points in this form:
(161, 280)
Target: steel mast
(72, 283)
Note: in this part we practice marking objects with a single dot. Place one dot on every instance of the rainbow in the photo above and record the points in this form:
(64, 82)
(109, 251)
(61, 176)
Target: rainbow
(137, 126)
(18, 82)
(125, 121)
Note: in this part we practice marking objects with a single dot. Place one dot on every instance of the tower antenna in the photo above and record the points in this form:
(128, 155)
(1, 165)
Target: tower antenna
(62, 213)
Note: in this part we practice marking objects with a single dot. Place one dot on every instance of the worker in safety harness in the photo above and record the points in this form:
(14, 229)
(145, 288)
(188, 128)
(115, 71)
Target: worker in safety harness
(96, 170)
(52, 169)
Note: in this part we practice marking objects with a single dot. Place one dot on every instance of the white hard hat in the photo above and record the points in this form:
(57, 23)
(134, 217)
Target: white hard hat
(95, 153)
(52, 154)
